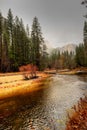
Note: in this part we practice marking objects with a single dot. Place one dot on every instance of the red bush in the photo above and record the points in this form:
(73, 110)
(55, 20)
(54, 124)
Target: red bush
(79, 119)
(29, 70)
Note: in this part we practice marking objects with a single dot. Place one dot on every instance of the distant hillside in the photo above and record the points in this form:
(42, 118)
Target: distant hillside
(68, 47)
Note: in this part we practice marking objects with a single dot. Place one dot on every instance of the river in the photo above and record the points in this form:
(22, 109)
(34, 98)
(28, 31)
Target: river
(45, 109)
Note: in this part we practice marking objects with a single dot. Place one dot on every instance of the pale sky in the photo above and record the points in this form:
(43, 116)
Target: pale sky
(61, 20)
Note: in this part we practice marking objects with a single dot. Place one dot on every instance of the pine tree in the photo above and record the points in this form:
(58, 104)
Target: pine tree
(5, 48)
(85, 33)
(1, 41)
(80, 55)
(21, 42)
(10, 23)
(17, 48)
(24, 40)
(10, 26)
(28, 46)
(17, 43)
(85, 42)
(44, 58)
(84, 2)
(36, 42)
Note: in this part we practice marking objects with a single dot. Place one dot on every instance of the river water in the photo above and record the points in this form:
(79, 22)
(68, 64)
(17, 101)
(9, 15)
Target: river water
(45, 109)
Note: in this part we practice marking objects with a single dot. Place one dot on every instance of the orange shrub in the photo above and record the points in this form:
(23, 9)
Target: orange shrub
(79, 119)
(29, 70)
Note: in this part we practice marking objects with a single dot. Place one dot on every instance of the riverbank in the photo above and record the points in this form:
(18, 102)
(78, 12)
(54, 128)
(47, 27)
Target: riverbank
(80, 70)
(13, 84)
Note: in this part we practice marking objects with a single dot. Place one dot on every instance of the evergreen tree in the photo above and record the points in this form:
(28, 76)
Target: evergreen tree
(85, 42)
(22, 42)
(84, 2)
(10, 26)
(64, 60)
(28, 46)
(17, 48)
(5, 48)
(44, 58)
(14, 55)
(80, 55)
(24, 47)
(36, 42)
(1, 41)
(54, 59)
(85, 33)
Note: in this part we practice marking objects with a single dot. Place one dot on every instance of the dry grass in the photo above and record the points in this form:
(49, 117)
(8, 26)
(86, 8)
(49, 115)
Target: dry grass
(78, 121)
(13, 85)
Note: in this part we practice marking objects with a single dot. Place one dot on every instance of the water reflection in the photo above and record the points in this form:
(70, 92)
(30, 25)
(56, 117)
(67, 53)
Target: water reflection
(43, 109)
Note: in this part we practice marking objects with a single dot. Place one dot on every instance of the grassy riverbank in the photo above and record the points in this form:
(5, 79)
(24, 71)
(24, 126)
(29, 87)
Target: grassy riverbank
(13, 84)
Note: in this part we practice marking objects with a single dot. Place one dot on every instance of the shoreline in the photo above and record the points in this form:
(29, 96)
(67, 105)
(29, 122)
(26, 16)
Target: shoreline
(76, 71)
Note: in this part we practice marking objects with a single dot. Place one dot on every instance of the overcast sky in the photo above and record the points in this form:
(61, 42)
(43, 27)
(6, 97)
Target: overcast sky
(61, 20)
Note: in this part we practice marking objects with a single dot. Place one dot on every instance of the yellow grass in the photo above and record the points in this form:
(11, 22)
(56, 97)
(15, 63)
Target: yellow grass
(15, 85)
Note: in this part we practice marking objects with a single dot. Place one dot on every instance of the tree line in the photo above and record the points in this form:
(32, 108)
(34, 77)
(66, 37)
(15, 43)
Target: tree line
(73, 59)
(64, 60)
(18, 46)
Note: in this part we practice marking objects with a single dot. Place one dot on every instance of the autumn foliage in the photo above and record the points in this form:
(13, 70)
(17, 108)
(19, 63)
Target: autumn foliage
(79, 119)
(29, 71)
